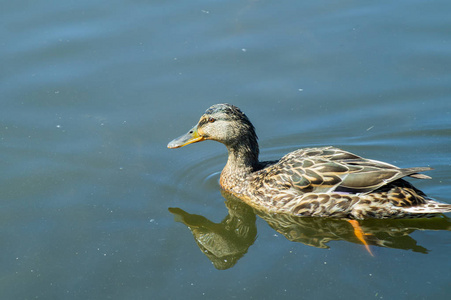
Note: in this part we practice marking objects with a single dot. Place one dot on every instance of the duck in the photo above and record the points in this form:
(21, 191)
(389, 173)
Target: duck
(311, 182)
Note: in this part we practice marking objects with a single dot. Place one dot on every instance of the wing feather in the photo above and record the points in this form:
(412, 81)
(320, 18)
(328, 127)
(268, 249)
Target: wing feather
(331, 169)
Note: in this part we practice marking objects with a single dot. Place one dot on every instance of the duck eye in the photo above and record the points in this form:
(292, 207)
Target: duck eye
(211, 120)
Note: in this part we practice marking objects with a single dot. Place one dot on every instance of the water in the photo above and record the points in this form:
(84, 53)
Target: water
(92, 91)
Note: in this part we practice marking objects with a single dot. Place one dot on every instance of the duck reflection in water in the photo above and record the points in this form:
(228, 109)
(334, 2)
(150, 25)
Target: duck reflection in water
(226, 242)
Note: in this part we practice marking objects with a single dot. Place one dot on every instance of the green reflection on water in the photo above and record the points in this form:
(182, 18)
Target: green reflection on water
(226, 242)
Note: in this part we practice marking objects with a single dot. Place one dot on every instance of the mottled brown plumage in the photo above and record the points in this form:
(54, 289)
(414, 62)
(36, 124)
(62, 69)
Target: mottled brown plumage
(316, 182)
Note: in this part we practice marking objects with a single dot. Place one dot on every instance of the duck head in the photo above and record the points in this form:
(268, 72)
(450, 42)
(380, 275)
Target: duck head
(224, 123)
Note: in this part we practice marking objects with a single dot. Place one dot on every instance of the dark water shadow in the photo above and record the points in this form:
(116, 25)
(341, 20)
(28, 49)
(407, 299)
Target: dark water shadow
(226, 242)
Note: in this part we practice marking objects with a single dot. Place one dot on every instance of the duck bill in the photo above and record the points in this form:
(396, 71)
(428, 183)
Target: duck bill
(191, 137)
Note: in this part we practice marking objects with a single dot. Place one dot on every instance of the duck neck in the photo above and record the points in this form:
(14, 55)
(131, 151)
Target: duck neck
(243, 160)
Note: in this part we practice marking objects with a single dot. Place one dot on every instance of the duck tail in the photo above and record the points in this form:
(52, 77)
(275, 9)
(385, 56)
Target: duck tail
(430, 207)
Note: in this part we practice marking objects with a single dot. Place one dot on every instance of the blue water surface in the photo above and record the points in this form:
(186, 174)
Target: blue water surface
(92, 92)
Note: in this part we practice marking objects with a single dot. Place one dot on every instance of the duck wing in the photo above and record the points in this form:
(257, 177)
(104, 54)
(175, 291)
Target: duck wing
(328, 169)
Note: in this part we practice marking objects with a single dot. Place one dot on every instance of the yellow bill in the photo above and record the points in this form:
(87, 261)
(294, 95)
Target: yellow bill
(191, 137)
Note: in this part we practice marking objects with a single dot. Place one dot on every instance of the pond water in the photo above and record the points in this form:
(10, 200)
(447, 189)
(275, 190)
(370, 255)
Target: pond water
(94, 206)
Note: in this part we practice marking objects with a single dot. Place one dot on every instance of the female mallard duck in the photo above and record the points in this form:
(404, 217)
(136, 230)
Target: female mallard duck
(316, 182)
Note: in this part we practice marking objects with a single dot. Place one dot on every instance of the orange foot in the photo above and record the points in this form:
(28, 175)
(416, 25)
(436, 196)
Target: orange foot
(360, 235)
